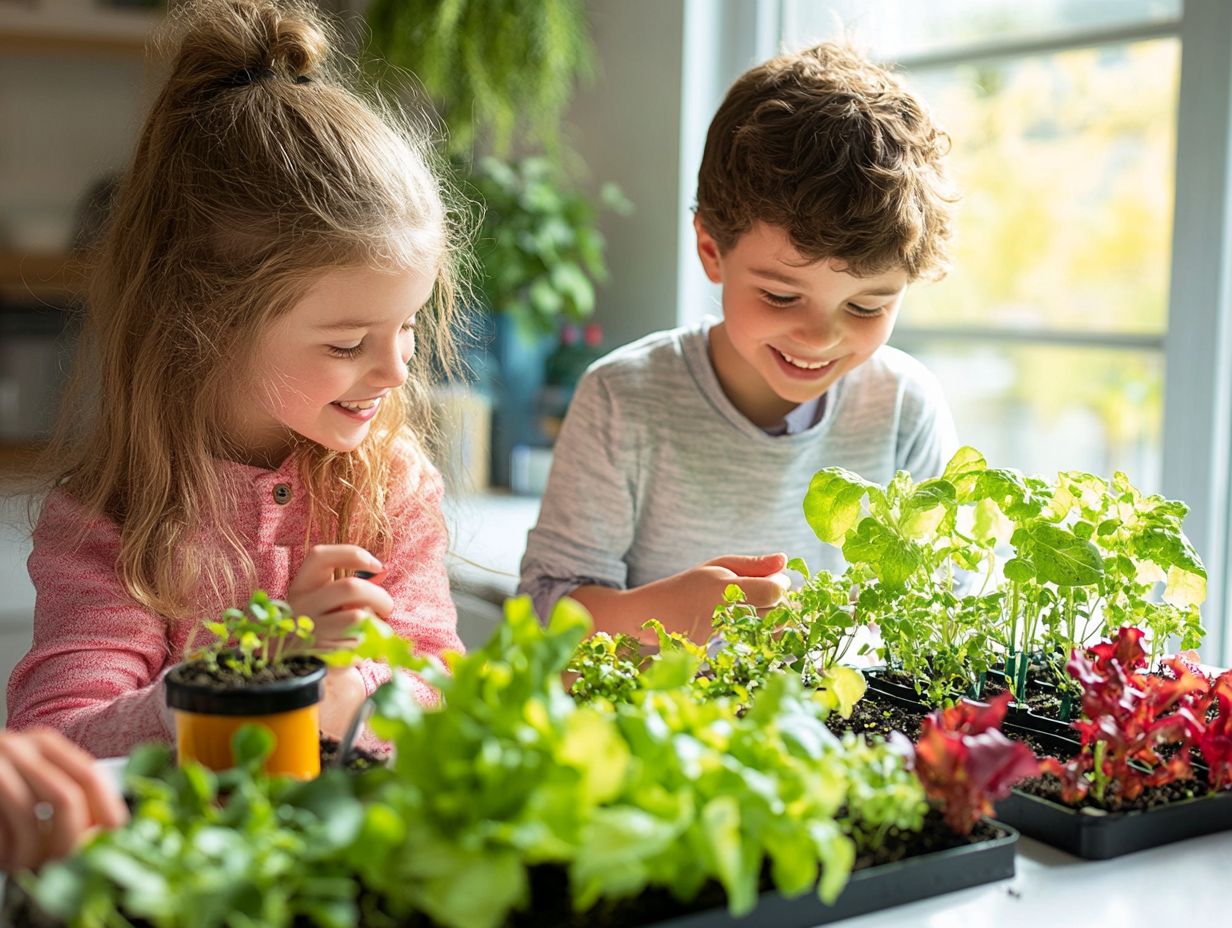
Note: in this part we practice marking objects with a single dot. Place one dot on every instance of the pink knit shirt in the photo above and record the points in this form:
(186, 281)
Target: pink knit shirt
(95, 671)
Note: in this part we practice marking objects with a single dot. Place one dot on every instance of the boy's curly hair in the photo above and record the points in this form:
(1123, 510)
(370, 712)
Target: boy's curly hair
(836, 151)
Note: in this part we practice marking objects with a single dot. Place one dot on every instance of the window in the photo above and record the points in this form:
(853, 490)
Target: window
(1085, 322)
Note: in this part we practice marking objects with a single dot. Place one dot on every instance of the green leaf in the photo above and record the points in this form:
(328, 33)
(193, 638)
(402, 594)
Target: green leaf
(832, 503)
(845, 686)
(720, 823)
(1184, 587)
(1058, 556)
(963, 469)
(1019, 569)
(251, 745)
(929, 510)
(892, 558)
(593, 746)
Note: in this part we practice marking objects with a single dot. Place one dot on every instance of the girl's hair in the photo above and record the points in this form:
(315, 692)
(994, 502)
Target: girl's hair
(257, 170)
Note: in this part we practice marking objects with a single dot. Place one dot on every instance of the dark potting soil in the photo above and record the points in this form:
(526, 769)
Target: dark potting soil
(359, 760)
(1041, 698)
(1049, 787)
(877, 715)
(224, 676)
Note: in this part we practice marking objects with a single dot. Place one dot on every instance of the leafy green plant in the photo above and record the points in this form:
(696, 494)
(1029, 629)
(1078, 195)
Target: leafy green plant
(204, 850)
(511, 776)
(500, 70)
(659, 789)
(805, 636)
(606, 667)
(539, 246)
(884, 796)
(983, 566)
(254, 639)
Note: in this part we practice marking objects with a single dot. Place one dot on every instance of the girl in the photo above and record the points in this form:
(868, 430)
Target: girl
(273, 256)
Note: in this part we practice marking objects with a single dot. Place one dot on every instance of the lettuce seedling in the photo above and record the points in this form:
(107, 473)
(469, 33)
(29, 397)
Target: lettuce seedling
(1127, 716)
(966, 763)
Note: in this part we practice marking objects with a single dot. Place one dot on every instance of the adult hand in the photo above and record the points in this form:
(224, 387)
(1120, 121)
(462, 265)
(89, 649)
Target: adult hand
(324, 591)
(51, 796)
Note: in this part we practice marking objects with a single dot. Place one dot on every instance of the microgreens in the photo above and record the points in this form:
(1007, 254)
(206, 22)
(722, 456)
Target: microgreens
(250, 640)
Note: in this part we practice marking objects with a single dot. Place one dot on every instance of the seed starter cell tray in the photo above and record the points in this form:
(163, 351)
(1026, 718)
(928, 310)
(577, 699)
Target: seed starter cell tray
(875, 888)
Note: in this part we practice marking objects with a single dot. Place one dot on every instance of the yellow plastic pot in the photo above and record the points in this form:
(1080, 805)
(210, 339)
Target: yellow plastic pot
(207, 715)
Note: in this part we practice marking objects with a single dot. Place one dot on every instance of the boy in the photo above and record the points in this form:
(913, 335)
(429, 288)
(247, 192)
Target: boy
(685, 456)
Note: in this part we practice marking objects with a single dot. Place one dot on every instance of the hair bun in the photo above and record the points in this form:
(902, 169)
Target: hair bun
(299, 47)
(212, 41)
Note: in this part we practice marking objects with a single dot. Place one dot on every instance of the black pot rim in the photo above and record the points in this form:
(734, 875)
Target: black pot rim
(261, 699)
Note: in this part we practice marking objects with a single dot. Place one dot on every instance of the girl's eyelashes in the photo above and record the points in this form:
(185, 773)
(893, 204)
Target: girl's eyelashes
(351, 351)
(339, 351)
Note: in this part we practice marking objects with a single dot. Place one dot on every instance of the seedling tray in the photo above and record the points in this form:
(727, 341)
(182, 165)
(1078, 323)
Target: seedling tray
(1094, 834)
(875, 888)
(1015, 715)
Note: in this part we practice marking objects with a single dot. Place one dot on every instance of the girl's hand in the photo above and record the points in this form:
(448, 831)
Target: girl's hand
(51, 796)
(324, 591)
(344, 693)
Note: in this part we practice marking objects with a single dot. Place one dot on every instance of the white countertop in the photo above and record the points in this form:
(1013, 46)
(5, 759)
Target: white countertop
(1178, 883)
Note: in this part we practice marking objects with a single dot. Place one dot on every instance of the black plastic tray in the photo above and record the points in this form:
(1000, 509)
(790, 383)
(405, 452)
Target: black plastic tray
(875, 888)
(1094, 834)
(1020, 717)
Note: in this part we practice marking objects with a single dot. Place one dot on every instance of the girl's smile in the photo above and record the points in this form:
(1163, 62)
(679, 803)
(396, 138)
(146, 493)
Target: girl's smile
(350, 336)
(361, 410)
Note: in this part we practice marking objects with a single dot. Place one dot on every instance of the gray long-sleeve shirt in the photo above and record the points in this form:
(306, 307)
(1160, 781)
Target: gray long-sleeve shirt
(655, 471)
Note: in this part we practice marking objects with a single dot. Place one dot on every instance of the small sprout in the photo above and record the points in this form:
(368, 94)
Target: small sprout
(253, 639)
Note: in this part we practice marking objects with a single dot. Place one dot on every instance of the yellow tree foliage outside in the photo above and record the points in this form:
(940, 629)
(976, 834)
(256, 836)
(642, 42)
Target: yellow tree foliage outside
(1066, 164)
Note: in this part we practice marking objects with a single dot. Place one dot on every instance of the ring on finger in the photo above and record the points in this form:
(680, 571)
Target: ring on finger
(44, 814)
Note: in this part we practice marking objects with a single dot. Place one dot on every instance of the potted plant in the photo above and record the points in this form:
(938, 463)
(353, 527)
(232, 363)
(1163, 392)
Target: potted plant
(984, 569)
(1154, 760)
(249, 673)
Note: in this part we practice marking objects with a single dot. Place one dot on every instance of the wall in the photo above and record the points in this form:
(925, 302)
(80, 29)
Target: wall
(626, 127)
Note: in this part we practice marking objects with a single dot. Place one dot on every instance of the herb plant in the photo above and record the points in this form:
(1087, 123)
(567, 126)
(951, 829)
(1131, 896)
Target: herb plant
(203, 850)
(255, 639)
(804, 636)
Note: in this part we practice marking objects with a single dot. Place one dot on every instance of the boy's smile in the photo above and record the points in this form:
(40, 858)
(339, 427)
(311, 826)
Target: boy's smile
(791, 328)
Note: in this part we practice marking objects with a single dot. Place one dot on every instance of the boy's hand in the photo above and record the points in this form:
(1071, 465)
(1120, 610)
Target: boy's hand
(691, 596)
(324, 591)
(685, 602)
(51, 796)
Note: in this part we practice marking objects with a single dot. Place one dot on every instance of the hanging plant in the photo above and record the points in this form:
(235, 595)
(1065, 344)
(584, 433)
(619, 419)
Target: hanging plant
(502, 71)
